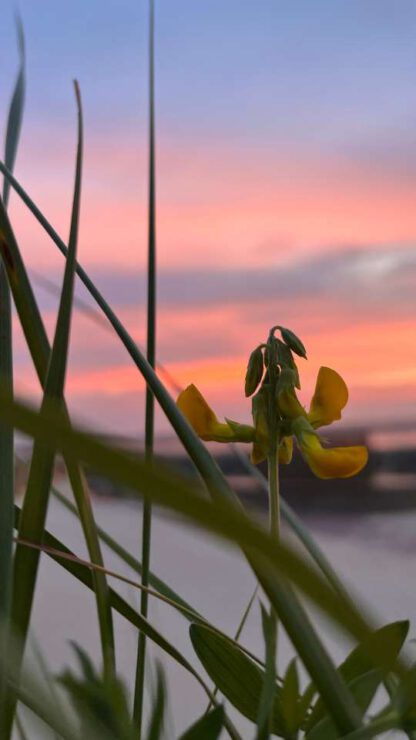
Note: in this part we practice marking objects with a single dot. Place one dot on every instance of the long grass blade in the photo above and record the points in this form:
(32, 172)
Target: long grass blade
(83, 571)
(14, 123)
(34, 509)
(169, 490)
(130, 560)
(298, 528)
(150, 401)
(206, 466)
(336, 693)
(37, 340)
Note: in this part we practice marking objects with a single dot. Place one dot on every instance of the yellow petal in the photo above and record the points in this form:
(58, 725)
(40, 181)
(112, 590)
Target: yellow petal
(201, 416)
(330, 397)
(286, 450)
(333, 462)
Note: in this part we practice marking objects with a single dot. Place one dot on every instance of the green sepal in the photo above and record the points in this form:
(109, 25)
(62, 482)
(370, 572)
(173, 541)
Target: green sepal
(254, 372)
(241, 432)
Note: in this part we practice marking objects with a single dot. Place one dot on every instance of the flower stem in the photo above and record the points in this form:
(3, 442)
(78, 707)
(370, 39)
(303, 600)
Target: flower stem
(274, 504)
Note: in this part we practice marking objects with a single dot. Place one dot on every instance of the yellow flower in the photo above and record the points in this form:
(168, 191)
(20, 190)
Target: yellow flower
(329, 398)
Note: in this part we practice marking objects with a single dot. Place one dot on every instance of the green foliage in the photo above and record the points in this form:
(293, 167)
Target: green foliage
(101, 701)
(207, 728)
(370, 661)
(237, 677)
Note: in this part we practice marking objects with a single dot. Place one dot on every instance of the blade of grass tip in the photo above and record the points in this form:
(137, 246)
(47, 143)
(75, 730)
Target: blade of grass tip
(150, 403)
(14, 123)
(272, 563)
(157, 718)
(215, 482)
(239, 630)
(207, 467)
(82, 570)
(34, 509)
(37, 340)
(209, 470)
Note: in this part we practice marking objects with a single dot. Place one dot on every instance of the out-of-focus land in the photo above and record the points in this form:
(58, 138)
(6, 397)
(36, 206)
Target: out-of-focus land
(387, 483)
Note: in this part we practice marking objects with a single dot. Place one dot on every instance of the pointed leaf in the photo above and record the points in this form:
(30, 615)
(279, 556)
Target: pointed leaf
(380, 650)
(207, 728)
(363, 688)
(237, 677)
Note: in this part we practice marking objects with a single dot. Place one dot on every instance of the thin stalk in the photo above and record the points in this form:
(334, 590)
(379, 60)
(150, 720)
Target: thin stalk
(13, 129)
(150, 401)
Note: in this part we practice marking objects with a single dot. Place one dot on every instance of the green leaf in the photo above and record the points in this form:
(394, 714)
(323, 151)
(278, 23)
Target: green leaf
(270, 560)
(363, 688)
(15, 117)
(6, 374)
(237, 677)
(316, 660)
(268, 693)
(290, 698)
(34, 508)
(151, 359)
(84, 575)
(157, 716)
(37, 340)
(207, 728)
(378, 651)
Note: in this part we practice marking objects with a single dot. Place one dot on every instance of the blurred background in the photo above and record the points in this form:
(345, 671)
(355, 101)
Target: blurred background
(286, 165)
(286, 186)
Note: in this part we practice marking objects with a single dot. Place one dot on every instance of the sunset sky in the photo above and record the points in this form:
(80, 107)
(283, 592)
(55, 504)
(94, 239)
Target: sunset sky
(286, 169)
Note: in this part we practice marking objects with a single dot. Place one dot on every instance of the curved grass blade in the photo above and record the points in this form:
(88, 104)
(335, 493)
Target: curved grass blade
(270, 561)
(131, 561)
(13, 128)
(35, 504)
(37, 340)
(151, 358)
(82, 571)
(317, 661)
(206, 466)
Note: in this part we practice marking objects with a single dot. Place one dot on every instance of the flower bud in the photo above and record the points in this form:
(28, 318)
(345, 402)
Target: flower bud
(254, 372)
(293, 342)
